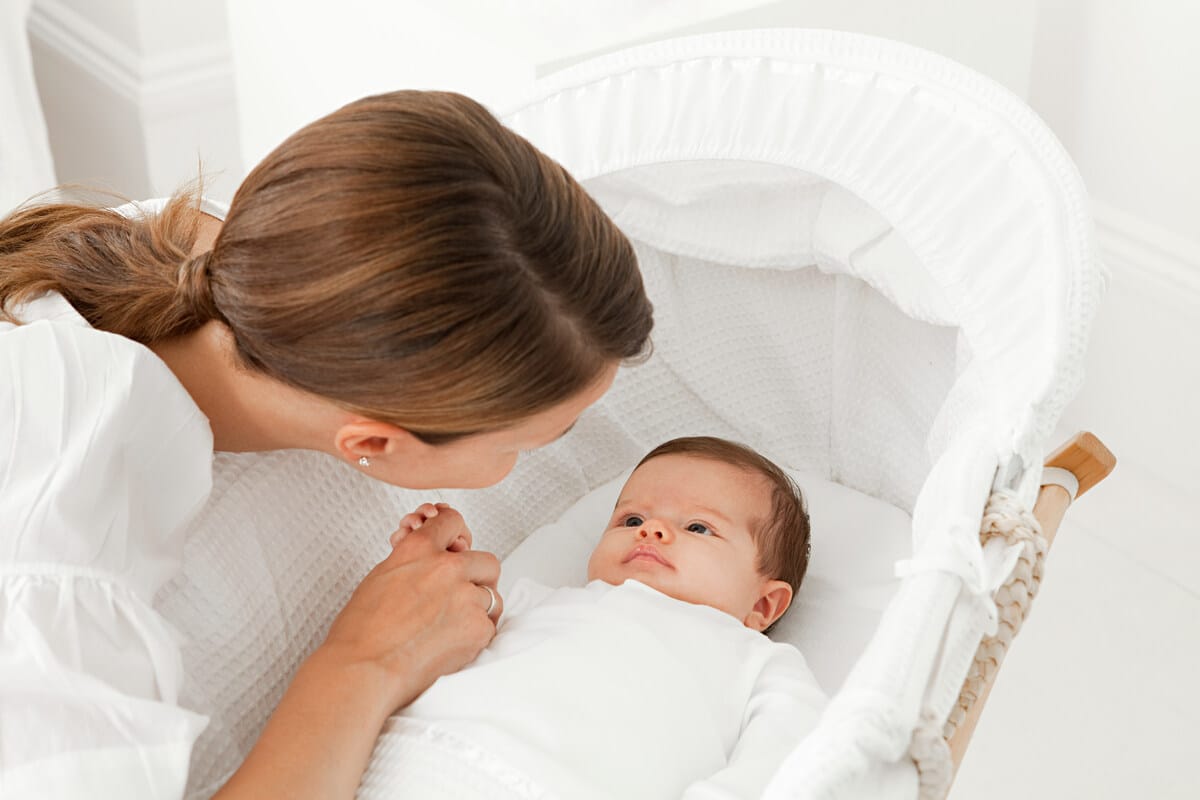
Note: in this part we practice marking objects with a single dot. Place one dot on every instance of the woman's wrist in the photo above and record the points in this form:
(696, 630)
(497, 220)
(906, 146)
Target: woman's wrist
(386, 686)
(320, 738)
(377, 691)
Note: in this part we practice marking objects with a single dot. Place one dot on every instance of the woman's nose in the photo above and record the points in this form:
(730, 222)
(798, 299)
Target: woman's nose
(653, 529)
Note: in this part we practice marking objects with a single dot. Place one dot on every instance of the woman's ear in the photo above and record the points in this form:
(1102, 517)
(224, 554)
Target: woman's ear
(774, 599)
(363, 437)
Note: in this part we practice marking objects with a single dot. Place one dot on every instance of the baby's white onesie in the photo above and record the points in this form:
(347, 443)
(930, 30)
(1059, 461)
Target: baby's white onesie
(603, 692)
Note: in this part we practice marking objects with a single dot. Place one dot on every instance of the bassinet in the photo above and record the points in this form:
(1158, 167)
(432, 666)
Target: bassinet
(866, 261)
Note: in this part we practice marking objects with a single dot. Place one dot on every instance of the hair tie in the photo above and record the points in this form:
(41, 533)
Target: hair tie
(195, 286)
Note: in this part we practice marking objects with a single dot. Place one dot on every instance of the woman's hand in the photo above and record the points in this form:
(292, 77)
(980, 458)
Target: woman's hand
(419, 614)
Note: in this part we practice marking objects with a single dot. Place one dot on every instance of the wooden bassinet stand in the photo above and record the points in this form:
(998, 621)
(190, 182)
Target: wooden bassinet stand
(1089, 461)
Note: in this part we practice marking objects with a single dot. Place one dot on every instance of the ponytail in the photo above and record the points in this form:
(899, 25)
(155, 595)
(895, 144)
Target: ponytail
(134, 276)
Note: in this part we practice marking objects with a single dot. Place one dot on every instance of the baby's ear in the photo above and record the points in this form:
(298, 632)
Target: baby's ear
(774, 599)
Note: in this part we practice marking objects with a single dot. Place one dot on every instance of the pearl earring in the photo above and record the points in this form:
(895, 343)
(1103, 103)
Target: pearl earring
(364, 462)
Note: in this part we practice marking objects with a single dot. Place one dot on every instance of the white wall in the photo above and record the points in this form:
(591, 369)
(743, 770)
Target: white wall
(494, 49)
(488, 49)
(1117, 82)
(26, 166)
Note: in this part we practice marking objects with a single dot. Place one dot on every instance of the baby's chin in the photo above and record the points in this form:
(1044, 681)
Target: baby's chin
(648, 572)
(647, 577)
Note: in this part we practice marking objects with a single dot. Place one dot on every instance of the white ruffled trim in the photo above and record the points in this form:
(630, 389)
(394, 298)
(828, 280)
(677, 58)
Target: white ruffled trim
(466, 754)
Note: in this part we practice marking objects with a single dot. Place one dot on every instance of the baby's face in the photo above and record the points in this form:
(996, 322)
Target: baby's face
(682, 526)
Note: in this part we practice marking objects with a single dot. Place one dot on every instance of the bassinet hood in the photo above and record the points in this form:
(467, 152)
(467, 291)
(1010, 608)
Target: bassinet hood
(784, 149)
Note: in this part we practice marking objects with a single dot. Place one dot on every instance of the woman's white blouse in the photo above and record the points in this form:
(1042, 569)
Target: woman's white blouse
(104, 460)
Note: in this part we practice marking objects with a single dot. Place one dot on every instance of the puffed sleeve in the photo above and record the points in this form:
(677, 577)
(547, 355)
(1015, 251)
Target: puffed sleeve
(104, 460)
(784, 707)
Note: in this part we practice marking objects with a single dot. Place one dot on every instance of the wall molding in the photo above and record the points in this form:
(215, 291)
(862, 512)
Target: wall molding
(1141, 380)
(157, 84)
(1162, 263)
(136, 116)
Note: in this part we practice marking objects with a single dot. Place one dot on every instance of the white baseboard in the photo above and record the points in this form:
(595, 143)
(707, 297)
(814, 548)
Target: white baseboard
(1143, 373)
(181, 102)
(1167, 263)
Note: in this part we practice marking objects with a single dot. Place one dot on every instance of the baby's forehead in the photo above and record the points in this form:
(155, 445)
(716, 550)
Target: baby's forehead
(728, 472)
(736, 491)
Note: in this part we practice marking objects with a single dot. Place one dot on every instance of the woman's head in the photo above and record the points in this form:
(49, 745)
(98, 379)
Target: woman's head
(407, 258)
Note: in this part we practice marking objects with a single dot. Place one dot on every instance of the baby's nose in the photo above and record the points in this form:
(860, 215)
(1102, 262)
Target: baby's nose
(654, 529)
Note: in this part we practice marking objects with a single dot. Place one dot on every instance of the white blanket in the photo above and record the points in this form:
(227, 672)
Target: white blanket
(604, 692)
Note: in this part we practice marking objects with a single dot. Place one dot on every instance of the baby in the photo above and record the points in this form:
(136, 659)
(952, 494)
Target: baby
(652, 681)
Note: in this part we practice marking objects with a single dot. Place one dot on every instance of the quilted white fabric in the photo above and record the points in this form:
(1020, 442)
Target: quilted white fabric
(866, 261)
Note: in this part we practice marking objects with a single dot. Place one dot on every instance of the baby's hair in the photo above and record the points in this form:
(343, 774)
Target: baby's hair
(783, 537)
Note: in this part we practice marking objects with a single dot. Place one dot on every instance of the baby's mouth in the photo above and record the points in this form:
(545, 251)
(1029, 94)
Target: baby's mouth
(645, 552)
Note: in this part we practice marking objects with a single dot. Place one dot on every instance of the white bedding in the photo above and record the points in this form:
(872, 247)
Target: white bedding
(856, 540)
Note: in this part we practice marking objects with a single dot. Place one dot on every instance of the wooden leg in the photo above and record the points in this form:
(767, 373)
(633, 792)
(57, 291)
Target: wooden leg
(1090, 462)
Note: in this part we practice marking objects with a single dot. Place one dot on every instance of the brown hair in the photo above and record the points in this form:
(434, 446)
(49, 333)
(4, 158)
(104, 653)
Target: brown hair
(783, 537)
(407, 257)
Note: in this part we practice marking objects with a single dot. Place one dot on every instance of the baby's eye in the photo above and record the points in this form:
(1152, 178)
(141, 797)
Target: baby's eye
(632, 521)
(699, 527)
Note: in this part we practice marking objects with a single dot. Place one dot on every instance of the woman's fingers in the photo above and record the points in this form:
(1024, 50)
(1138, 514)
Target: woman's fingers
(480, 567)
(493, 603)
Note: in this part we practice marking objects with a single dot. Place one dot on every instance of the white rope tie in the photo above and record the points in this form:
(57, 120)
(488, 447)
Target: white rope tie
(1004, 517)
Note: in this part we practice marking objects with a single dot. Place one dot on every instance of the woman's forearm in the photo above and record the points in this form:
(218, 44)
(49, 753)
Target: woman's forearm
(417, 615)
(318, 741)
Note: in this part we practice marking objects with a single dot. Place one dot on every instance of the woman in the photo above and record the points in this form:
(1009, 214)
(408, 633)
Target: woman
(405, 285)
